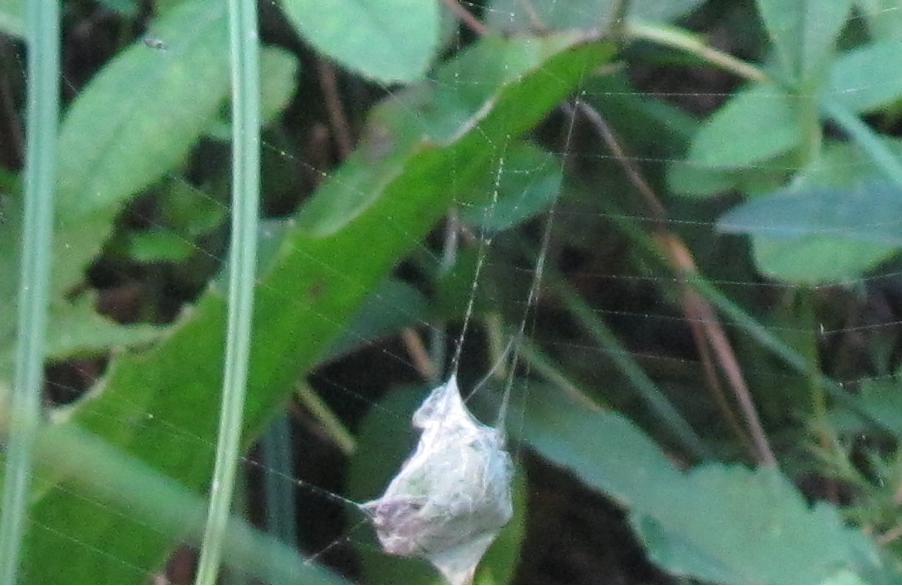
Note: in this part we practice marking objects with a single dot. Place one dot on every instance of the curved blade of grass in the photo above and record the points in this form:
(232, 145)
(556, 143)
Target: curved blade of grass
(245, 58)
(654, 397)
(104, 474)
(24, 403)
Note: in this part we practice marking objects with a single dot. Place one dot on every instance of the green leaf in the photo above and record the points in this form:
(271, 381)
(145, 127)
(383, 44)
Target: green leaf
(804, 33)
(392, 306)
(755, 125)
(604, 450)
(12, 15)
(728, 524)
(318, 280)
(188, 212)
(527, 182)
(159, 245)
(717, 524)
(126, 8)
(884, 17)
(398, 137)
(517, 16)
(385, 40)
(385, 439)
(819, 234)
(882, 399)
(278, 85)
(866, 79)
(278, 81)
(134, 122)
(78, 330)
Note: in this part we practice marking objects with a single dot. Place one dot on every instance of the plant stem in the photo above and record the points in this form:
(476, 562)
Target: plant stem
(331, 423)
(679, 39)
(545, 366)
(245, 62)
(24, 402)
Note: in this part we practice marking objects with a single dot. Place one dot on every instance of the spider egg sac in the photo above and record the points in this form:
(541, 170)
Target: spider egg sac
(452, 497)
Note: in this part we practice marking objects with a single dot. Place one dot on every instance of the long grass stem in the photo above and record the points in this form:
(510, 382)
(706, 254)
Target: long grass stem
(23, 405)
(245, 61)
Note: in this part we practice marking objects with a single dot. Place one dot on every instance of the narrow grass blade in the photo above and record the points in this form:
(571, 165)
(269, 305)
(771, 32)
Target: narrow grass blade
(23, 406)
(750, 325)
(281, 508)
(245, 62)
(654, 397)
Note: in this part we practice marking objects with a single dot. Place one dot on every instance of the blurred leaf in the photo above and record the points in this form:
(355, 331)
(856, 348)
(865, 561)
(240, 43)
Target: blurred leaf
(883, 399)
(12, 17)
(755, 125)
(717, 524)
(385, 440)
(526, 183)
(884, 17)
(604, 450)
(127, 8)
(78, 330)
(866, 79)
(844, 164)
(278, 81)
(728, 524)
(804, 33)
(391, 307)
(317, 281)
(109, 481)
(136, 120)
(278, 85)
(159, 245)
(397, 127)
(190, 211)
(821, 234)
(514, 16)
(660, 130)
(452, 289)
(386, 40)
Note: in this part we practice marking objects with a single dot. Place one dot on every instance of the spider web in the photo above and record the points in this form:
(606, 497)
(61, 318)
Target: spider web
(643, 308)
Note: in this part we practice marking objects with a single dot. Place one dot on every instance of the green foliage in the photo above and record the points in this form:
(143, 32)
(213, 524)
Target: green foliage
(136, 121)
(821, 234)
(730, 524)
(755, 125)
(804, 33)
(749, 193)
(12, 17)
(386, 40)
(864, 79)
(301, 291)
(516, 16)
(528, 182)
(716, 523)
(884, 17)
